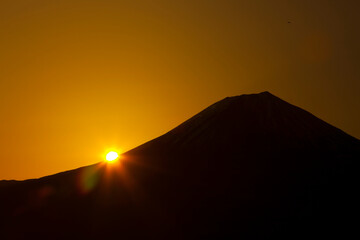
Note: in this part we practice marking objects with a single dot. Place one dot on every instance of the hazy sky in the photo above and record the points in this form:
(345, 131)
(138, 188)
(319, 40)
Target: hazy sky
(78, 77)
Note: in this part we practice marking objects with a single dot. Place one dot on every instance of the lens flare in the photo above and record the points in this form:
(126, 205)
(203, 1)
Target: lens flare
(111, 156)
(88, 178)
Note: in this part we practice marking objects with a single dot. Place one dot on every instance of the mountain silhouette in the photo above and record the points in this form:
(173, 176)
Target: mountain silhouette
(250, 166)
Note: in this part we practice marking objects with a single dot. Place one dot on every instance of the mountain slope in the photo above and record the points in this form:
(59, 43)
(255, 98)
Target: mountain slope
(250, 166)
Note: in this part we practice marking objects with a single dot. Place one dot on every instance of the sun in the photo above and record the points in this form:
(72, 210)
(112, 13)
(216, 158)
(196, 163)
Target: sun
(111, 156)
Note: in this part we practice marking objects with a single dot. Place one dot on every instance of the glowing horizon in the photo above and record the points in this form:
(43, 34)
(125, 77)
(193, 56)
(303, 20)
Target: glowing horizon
(78, 77)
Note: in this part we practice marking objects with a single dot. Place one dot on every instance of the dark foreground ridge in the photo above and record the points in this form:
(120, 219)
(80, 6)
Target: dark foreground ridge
(251, 166)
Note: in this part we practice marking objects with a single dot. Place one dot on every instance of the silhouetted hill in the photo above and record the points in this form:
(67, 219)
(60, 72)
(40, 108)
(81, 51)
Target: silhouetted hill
(251, 166)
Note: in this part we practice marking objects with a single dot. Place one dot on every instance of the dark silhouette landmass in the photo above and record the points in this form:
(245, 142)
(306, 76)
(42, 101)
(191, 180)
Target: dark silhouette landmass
(251, 167)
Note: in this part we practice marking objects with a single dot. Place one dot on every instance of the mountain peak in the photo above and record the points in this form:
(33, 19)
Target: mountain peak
(264, 93)
(260, 94)
(251, 119)
(262, 97)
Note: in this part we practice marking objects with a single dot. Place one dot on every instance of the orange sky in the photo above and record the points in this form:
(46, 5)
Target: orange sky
(80, 76)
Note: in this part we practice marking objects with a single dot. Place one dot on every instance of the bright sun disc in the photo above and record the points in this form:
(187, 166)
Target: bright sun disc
(111, 156)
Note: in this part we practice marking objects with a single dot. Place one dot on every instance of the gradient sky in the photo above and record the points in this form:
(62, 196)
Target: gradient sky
(78, 77)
